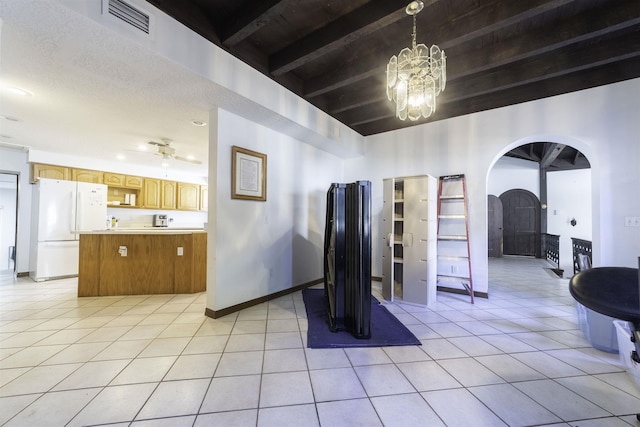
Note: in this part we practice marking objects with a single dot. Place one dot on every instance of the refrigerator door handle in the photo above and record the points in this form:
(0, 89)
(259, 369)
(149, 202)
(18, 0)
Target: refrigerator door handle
(72, 212)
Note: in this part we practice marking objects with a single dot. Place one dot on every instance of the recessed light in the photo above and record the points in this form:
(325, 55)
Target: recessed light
(19, 91)
(120, 157)
(198, 123)
(142, 147)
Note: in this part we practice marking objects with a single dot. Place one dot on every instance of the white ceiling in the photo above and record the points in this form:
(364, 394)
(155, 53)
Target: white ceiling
(95, 94)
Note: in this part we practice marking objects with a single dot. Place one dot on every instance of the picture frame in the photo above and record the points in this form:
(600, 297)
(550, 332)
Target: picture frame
(248, 174)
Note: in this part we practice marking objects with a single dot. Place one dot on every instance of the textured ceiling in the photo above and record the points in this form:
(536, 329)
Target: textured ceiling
(95, 94)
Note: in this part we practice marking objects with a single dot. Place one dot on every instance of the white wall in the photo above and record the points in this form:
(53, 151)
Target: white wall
(266, 247)
(568, 197)
(509, 173)
(15, 161)
(601, 122)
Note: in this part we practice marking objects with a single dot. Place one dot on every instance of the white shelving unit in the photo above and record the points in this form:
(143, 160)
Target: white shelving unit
(409, 223)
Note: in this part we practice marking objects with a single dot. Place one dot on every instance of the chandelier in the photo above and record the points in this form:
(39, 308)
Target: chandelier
(416, 76)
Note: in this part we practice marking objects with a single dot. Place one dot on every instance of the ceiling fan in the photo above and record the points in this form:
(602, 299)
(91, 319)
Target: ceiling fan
(167, 152)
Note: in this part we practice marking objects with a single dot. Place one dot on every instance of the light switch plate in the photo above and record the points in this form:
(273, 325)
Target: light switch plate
(180, 251)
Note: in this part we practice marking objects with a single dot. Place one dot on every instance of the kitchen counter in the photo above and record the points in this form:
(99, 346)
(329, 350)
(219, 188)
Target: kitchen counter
(142, 261)
(146, 230)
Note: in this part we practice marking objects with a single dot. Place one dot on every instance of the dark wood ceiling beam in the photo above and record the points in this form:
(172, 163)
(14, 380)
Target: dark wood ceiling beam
(598, 23)
(559, 63)
(339, 33)
(498, 88)
(490, 18)
(477, 22)
(612, 73)
(191, 16)
(576, 157)
(551, 153)
(621, 17)
(248, 20)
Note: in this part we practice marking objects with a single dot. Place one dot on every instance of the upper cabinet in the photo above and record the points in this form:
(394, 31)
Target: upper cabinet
(39, 170)
(204, 198)
(168, 199)
(122, 181)
(84, 175)
(133, 181)
(151, 194)
(132, 191)
(188, 196)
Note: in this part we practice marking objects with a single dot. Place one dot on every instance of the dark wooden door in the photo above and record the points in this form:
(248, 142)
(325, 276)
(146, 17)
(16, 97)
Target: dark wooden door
(521, 223)
(494, 218)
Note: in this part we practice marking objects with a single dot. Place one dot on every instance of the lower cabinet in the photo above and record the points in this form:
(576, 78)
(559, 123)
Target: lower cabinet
(142, 264)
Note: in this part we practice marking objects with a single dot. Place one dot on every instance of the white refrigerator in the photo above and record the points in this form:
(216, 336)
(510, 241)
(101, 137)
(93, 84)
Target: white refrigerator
(60, 209)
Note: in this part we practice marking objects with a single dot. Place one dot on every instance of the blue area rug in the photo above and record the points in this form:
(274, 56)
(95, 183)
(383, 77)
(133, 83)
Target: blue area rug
(386, 329)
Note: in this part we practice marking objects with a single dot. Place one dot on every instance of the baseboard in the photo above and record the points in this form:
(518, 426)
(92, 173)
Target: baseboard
(215, 314)
(463, 292)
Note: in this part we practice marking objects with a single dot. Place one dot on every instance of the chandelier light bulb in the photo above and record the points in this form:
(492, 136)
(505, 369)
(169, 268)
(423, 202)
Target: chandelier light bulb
(416, 76)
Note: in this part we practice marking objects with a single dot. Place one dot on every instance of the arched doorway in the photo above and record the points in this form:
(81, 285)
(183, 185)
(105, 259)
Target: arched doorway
(559, 178)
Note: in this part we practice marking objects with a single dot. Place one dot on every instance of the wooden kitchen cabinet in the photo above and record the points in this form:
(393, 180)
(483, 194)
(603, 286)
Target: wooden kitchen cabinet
(188, 196)
(123, 181)
(152, 264)
(151, 194)
(204, 198)
(133, 181)
(114, 179)
(85, 175)
(168, 199)
(39, 170)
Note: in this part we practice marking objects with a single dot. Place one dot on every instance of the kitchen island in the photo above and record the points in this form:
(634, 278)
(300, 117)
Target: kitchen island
(142, 261)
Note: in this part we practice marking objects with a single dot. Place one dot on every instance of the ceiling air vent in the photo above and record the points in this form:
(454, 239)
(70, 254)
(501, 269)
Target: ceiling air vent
(129, 14)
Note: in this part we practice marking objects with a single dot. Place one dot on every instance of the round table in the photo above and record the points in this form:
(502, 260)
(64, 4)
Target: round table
(612, 291)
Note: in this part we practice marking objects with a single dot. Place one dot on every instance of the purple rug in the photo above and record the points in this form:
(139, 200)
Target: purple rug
(386, 329)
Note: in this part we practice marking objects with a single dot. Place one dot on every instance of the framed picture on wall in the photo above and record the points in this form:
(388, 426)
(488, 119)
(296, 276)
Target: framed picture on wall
(248, 174)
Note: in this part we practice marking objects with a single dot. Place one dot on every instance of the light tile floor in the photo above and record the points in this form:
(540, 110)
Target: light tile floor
(515, 359)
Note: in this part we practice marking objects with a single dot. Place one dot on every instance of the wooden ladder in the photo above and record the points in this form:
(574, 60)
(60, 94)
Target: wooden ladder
(454, 254)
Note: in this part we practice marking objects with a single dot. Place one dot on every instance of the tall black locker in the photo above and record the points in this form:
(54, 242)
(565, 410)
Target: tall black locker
(347, 269)
(334, 256)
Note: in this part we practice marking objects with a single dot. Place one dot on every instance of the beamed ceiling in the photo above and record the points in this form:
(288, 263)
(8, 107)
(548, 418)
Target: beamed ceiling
(500, 52)
(551, 156)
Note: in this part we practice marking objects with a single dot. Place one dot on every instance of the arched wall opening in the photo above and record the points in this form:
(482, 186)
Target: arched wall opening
(569, 206)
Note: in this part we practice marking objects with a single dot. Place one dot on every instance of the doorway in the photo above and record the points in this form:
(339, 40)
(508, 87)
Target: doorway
(555, 179)
(521, 223)
(8, 222)
(495, 226)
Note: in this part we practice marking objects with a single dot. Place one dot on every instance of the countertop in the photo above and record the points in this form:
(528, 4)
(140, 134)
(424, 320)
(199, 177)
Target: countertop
(146, 230)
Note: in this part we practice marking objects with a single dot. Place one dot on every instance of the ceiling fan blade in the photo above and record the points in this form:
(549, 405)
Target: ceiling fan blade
(184, 159)
(159, 144)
